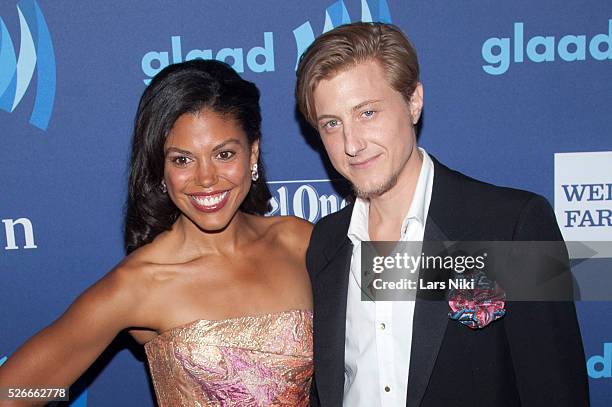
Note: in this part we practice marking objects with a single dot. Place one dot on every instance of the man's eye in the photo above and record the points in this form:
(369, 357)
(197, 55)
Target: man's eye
(225, 155)
(368, 113)
(331, 124)
(181, 161)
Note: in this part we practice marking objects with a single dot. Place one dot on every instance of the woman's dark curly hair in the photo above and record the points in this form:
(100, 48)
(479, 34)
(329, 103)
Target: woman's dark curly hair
(182, 88)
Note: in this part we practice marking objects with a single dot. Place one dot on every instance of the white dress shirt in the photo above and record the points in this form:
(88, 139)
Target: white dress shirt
(379, 334)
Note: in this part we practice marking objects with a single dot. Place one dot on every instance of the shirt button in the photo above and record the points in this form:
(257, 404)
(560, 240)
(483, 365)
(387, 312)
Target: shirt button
(387, 389)
(382, 326)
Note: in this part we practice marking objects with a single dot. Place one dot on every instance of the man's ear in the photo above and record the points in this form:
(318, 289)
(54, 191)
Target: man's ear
(416, 103)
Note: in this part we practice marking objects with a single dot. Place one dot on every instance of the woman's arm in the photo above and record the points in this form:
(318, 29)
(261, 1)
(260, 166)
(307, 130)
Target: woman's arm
(60, 353)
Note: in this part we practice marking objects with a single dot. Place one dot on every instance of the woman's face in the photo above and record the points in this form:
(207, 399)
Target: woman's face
(207, 167)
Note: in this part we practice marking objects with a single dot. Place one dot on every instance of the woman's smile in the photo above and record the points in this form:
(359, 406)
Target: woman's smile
(209, 202)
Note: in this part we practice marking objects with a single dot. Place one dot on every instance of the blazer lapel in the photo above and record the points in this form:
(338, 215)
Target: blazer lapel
(330, 289)
(429, 325)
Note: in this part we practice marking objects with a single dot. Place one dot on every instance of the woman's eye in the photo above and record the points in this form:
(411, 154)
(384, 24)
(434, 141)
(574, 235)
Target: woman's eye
(225, 155)
(181, 161)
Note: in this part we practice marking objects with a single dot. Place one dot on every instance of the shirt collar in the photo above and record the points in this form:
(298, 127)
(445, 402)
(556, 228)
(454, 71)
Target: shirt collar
(358, 228)
(419, 206)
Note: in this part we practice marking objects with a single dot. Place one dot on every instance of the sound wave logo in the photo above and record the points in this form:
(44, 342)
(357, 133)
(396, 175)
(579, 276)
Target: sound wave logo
(35, 51)
(337, 14)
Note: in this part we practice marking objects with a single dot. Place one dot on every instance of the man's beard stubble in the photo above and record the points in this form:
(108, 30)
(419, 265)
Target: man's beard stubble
(384, 186)
(376, 191)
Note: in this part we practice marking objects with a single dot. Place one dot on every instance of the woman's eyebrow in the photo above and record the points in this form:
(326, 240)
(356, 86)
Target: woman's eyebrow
(177, 150)
(230, 141)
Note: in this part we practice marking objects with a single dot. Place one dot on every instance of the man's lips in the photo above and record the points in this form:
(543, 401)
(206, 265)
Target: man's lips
(209, 201)
(361, 163)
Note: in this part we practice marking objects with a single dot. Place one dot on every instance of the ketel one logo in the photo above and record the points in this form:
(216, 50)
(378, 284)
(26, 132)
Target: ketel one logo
(306, 199)
(35, 51)
(335, 15)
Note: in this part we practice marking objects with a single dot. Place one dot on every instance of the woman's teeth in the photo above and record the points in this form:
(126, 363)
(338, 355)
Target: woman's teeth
(210, 200)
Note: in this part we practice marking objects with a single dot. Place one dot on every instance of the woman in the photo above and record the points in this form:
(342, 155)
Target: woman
(218, 295)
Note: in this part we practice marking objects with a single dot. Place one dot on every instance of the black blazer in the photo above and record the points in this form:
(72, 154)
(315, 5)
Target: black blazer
(533, 356)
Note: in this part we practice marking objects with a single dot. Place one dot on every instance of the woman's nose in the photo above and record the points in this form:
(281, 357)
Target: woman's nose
(206, 174)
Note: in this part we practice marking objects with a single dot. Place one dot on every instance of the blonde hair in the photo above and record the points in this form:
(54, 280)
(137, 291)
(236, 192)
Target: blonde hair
(348, 45)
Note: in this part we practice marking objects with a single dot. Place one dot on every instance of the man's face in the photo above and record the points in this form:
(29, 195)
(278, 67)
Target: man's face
(367, 127)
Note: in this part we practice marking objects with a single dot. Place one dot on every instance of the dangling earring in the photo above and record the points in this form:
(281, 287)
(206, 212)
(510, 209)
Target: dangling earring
(163, 187)
(254, 173)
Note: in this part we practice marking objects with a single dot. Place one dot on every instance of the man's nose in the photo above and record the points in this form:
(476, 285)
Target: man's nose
(354, 142)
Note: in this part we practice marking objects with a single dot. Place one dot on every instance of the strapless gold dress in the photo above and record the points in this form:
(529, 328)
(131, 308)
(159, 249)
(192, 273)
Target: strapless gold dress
(253, 361)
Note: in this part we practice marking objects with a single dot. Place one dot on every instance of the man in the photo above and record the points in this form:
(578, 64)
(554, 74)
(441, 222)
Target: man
(358, 85)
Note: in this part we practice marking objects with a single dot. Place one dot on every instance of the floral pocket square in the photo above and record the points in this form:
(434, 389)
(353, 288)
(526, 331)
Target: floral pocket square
(477, 307)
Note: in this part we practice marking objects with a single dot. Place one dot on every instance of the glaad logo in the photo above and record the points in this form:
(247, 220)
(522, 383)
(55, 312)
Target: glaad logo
(28, 233)
(335, 15)
(601, 366)
(570, 48)
(258, 59)
(35, 51)
(303, 199)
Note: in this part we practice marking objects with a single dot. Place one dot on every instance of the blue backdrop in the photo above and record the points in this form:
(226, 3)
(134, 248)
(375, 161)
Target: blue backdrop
(508, 84)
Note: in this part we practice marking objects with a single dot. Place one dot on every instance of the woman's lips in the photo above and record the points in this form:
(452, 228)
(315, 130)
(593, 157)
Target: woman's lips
(209, 202)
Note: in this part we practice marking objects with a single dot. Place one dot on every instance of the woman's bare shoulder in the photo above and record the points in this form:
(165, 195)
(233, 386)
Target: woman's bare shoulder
(151, 261)
(127, 284)
(138, 274)
(139, 280)
(295, 227)
(287, 227)
(292, 232)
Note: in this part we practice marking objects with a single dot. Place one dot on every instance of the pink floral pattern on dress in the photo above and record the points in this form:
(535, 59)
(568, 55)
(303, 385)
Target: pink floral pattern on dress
(254, 361)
